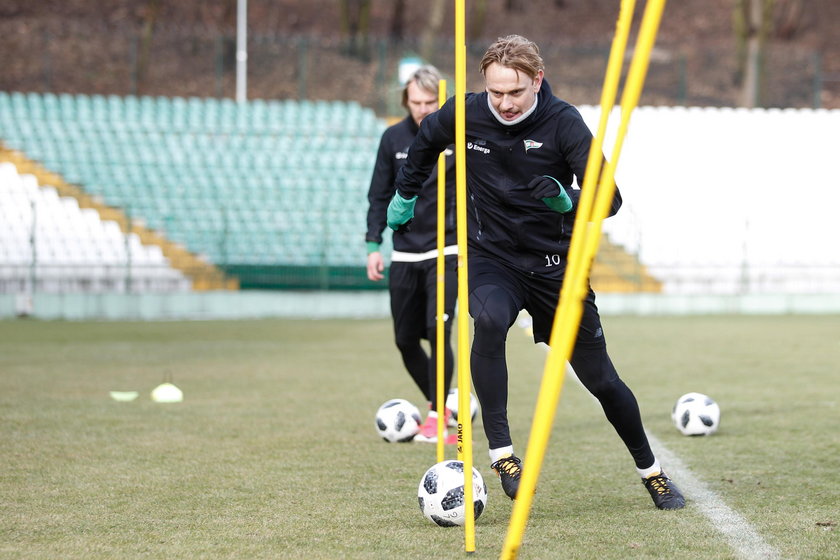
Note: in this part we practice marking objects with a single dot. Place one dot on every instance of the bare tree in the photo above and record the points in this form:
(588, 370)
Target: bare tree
(432, 30)
(478, 17)
(217, 16)
(752, 24)
(355, 25)
(150, 16)
(398, 20)
(788, 20)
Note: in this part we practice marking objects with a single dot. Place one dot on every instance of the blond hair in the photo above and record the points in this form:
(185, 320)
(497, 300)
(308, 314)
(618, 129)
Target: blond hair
(514, 51)
(426, 77)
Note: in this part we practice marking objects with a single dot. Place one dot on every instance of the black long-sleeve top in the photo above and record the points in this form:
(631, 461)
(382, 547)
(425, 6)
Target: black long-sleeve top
(504, 220)
(421, 236)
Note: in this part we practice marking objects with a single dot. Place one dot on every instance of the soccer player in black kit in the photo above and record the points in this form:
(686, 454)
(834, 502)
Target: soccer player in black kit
(524, 147)
(413, 274)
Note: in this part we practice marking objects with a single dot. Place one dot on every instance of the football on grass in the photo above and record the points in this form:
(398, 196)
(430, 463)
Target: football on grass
(452, 404)
(441, 493)
(397, 420)
(696, 414)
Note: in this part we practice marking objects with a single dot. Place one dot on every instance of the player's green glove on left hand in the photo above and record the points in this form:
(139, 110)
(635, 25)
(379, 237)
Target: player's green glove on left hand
(551, 192)
(400, 211)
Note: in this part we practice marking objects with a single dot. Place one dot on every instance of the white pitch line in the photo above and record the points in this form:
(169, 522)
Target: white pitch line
(742, 537)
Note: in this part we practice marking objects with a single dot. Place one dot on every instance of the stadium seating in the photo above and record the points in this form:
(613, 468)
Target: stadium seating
(255, 184)
(49, 244)
(720, 200)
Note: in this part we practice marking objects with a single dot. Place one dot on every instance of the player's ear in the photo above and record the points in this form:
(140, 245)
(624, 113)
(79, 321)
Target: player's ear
(538, 81)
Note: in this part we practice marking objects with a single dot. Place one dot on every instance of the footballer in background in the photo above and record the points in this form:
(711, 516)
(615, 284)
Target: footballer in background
(412, 278)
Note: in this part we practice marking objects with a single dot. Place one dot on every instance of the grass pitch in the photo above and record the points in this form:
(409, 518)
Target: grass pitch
(273, 453)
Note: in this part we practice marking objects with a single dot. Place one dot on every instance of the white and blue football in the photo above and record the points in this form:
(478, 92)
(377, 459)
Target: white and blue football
(452, 404)
(397, 421)
(696, 414)
(441, 493)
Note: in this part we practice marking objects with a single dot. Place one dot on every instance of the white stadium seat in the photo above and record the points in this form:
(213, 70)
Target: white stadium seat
(73, 249)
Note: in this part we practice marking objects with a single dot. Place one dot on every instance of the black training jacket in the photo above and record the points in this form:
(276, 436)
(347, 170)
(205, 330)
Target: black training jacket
(504, 220)
(421, 235)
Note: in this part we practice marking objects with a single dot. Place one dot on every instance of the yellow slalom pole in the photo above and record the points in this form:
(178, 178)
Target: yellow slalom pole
(464, 391)
(554, 368)
(595, 161)
(630, 98)
(583, 249)
(441, 287)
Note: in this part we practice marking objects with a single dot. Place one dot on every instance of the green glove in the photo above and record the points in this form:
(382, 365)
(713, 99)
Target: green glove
(551, 192)
(400, 211)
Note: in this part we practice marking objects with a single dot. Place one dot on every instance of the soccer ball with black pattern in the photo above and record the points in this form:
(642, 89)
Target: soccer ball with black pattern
(452, 404)
(398, 421)
(441, 493)
(696, 414)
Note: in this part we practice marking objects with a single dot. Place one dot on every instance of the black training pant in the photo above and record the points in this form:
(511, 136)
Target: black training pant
(497, 294)
(413, 290)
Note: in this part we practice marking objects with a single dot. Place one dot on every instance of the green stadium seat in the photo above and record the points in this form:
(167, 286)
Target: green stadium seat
(206, 170)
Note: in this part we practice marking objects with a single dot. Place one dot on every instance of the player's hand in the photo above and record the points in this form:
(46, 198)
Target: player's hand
(375, 266)
(551, 192)
(400, 211)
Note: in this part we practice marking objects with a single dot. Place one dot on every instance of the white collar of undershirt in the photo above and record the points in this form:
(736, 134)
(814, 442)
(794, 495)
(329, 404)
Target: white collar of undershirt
(518, 119)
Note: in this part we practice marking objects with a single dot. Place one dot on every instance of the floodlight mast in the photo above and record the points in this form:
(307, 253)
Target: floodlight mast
(241, 51)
